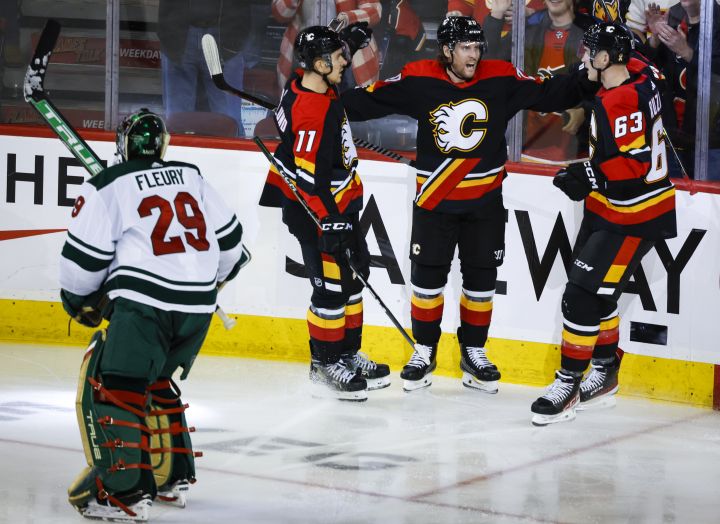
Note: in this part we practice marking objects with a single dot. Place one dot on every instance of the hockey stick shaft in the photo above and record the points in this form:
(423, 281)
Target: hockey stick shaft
(313, 216)
(682, 167)
(212, 59)
(36, 96)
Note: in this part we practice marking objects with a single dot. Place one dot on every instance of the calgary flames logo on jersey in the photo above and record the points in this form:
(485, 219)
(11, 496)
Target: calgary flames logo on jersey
(348, 147)
(459, 125)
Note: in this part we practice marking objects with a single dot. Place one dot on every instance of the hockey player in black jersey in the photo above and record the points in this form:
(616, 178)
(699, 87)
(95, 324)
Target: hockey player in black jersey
(629, 205)
(462, 104)
(317, 152)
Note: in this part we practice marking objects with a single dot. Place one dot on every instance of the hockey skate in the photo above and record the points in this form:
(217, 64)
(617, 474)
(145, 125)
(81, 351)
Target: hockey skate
(376, 375)
(478, 371)
(336, 380)
(174, 494)
(417, 373)
(559, 401)
(598, 388)
(104, 510)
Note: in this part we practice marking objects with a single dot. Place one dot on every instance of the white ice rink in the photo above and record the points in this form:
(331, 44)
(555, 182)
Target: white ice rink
(273, 454)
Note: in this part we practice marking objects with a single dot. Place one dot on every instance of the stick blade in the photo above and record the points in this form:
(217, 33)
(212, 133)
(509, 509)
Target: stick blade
(33, 86)
(212, 55)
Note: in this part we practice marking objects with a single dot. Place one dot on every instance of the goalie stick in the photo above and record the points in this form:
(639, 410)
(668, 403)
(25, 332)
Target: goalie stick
(212, 59)
(314, 218)
(35, 94)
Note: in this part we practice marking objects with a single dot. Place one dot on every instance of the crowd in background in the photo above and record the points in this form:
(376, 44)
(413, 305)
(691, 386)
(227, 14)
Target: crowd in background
(255, 40)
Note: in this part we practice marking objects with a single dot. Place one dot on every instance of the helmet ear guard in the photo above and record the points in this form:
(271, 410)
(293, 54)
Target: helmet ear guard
(142, 135)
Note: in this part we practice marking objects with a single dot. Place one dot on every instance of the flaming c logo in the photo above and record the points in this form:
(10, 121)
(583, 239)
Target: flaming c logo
(459, 125)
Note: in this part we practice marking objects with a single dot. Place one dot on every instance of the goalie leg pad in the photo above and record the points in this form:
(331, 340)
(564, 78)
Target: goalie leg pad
(173, 458)
(116, 442)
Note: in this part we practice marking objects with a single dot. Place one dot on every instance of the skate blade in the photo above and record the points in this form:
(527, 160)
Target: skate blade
(471, 382)
(96, 511)
(606, 401)
(414, 385)
(377, 383)
(544, 420)
(322, 391)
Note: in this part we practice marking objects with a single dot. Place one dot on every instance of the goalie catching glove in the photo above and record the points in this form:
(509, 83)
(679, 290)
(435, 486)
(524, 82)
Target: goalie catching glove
(83, 309)
(335, 235)
(356, 36)
(578, 180)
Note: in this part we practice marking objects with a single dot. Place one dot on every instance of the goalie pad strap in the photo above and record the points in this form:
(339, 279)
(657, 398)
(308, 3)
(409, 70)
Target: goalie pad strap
(109, 421)
(104, 495)
(119, 443)
(174, 429)
(187, 451)
(162, 384)
(120, 465)
(112, 396)
(169, 411)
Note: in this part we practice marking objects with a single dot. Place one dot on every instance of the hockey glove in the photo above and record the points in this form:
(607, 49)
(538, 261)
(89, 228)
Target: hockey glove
(83, 309)
(578, 180)
(336, 235)
(356, 36)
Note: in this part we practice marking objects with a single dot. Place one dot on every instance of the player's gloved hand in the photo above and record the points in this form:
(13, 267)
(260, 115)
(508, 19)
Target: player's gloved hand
(578, 180)
(83, 309)
(335, 235)
(356, 36)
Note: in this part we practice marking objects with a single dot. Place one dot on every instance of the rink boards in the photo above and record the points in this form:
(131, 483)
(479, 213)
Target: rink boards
(668, 315)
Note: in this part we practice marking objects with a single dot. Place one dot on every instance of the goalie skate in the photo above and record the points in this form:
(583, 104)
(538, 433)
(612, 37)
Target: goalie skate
(138, 512)
(175, 495)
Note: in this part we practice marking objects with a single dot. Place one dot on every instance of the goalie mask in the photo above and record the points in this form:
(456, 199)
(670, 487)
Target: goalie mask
(316, 42)
(456, 29)
(614, 38)
(142, 135)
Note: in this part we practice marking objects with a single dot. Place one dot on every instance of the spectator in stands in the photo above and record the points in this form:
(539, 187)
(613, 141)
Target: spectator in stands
(637, 19)
(10, 33)
(590, 12)
(675, 35)
(181, 26)
(299, 14)
(552, 42)
(480, 9)
(401, 36)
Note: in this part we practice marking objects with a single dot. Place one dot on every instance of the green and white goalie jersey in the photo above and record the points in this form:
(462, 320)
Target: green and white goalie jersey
(154, 232)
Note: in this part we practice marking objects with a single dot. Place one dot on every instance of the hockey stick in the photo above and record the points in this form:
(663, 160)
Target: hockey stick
(35, 95)
(682, 167)
(314, 218)
(212, 59)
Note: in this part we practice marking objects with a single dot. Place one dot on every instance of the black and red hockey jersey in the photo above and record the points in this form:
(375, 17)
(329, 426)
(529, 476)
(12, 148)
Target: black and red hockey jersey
(627, 144)
(461, 147)
(316, 151)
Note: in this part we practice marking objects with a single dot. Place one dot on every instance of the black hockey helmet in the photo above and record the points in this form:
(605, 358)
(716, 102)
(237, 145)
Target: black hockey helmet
(612, 37)
(316, 42)
(142, 135)
(456, 29)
